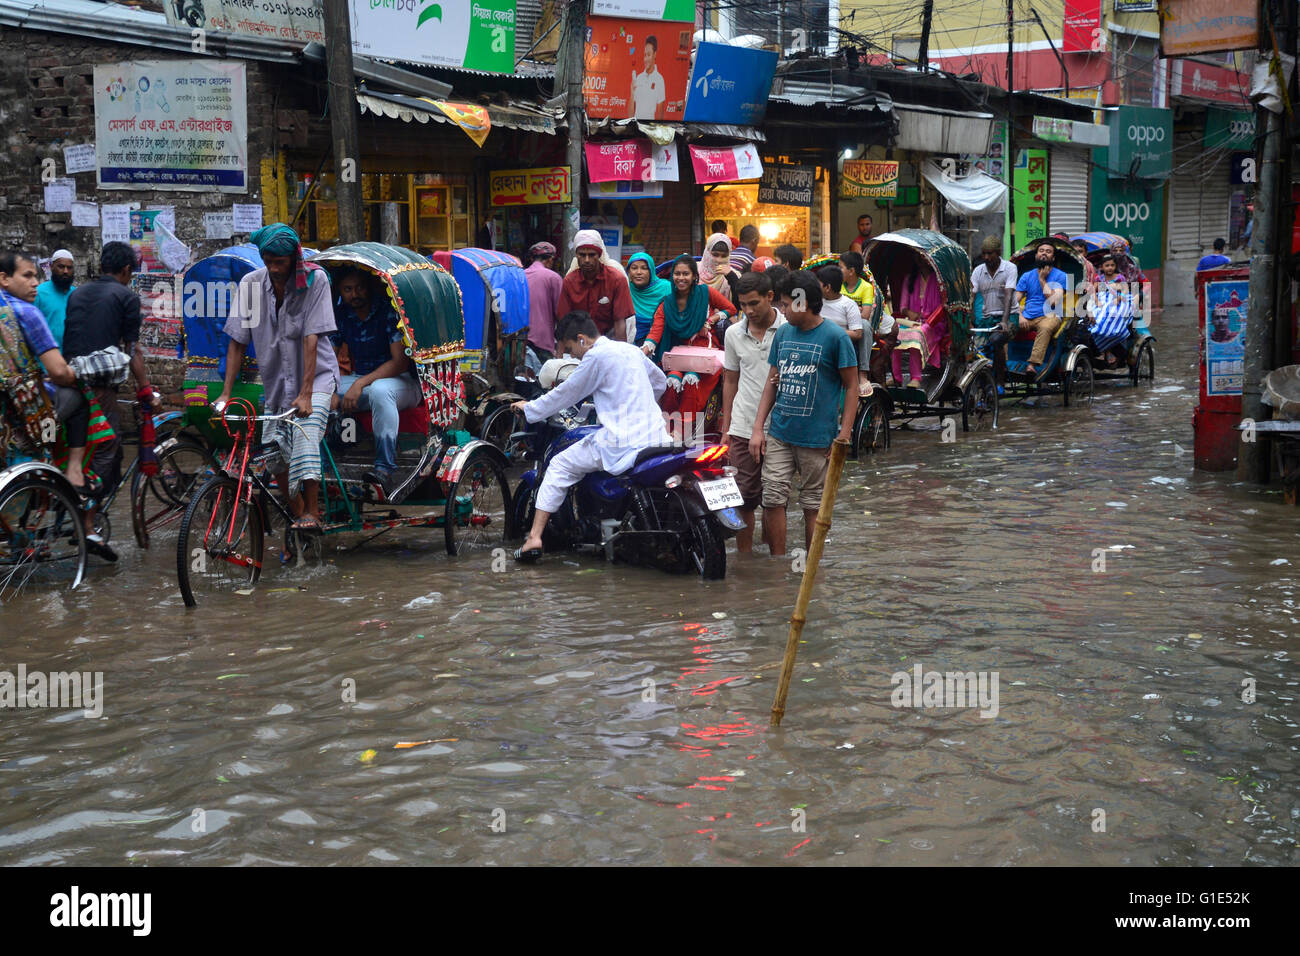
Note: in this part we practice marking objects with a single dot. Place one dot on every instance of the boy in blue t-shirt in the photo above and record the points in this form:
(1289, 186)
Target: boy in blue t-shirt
(814, 369)
(1216, 259)
(1043, 291)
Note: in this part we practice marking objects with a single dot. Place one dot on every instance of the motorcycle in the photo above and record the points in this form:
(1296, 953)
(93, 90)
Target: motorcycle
(673, 509)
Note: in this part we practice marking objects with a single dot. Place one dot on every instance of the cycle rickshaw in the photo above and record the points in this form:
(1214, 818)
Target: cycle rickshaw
(962, 384)
(1140, 366)
(444, 479)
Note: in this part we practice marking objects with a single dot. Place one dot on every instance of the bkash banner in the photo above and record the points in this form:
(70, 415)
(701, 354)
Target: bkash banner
(729, 85)
(727, 165)
(631, 160)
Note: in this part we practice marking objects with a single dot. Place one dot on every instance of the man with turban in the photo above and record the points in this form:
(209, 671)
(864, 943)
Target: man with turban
(599, 288)
(286, 310)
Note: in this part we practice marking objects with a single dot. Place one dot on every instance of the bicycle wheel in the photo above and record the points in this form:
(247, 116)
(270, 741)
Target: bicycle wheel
(42, 539)
(500, 424)
(478, 515)
(219, 549)
(158, 501)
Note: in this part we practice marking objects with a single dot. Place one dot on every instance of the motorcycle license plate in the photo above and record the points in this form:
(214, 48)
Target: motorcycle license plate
(723, 493)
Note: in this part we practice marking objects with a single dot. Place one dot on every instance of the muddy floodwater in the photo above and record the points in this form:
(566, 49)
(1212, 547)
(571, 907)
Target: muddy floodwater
(1141, 620)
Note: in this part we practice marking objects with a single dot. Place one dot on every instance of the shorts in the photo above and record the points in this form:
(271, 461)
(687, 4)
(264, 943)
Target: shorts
(749, 473)
(779, 465)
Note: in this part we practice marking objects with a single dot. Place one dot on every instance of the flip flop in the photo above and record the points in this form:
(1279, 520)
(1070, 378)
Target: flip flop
(307, 523)
(531, 556)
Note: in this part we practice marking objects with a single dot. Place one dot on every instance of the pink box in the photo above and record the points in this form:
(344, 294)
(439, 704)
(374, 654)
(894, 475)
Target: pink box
(693, 358)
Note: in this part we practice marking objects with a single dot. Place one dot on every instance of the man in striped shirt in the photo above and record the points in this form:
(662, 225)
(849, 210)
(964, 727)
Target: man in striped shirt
(742, 257)
(1111, 312)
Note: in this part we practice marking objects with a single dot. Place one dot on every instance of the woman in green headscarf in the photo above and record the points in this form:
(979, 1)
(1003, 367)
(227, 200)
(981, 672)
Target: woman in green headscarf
(685, 313)
(648, 290)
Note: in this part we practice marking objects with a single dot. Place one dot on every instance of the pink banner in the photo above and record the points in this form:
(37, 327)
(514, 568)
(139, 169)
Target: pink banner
(620, 161)
(1081, 28)
(727, 165)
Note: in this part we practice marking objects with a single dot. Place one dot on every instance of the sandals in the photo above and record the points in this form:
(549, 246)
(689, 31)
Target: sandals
(307, 523)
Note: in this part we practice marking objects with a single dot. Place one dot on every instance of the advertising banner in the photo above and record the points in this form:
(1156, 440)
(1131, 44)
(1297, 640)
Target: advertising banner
(293, 22)
(636, 69)
(1193, 27)
(1029, 196)
(727, 165)
(1205, 81)
(787, 185)
(1081, 28)
(625, 159)
(1133, 212)
(681, 10)
(471, 34)
(173, 124)
(1231, 129)
(729, 85)
(1141, 142)
(529, 187)
(869, 178)
(1225, 336)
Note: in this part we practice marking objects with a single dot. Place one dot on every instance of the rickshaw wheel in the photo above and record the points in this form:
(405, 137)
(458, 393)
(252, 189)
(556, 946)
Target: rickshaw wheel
(1144, 369)
(182, 466)
(42, 537)
(478, 514)
(871, 429)
(1078, 384)
(979, 404)
(500, 425)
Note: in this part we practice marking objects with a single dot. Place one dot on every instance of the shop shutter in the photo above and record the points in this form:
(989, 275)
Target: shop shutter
(1216, 194)
(1185, 187)
(1067, 191)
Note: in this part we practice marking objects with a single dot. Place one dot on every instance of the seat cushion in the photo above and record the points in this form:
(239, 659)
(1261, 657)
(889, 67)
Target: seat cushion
(647, 453)
(414, 420)
(1025, 335)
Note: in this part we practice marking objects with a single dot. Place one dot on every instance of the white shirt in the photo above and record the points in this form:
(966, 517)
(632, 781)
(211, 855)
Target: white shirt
(647, 94)
(625, 386)
(992, 286)
(844, 312)
(748, 356)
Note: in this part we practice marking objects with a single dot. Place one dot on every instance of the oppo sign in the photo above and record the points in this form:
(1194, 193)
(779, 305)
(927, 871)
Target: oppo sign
(1125, 213)
(1146, 135)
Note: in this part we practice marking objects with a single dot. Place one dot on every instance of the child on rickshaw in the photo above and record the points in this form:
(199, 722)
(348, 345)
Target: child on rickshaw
(922, 323)
(1110, 314)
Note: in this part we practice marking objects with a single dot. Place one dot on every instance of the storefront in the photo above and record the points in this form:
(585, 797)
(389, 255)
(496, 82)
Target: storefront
(788, 204)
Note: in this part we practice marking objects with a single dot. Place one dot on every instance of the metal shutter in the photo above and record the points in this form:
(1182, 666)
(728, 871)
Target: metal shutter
(1067, 191)
(1216, 194)
(1185, 187)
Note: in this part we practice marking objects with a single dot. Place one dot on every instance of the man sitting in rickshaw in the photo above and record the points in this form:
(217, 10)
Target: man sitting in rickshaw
(1111, 313)
(1042, 291)
(382, 381)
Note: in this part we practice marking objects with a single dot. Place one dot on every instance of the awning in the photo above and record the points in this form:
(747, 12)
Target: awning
(971, 195)
(410, 109)
(928, 129)
(687, 131)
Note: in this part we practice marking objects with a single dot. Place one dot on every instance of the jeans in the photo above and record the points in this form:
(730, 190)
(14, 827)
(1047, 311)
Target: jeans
(384, 398)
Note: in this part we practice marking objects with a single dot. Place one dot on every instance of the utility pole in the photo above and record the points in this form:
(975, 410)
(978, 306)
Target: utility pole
(1261, 314)
(1010, 158)
(343, 120)
(572, 47)
(927, 17)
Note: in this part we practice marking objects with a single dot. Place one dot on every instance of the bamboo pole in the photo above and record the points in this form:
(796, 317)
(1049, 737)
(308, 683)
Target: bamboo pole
(838, 451)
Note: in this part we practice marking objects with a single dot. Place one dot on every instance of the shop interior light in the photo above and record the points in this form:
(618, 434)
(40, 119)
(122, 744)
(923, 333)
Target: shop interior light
(769, 231)
(848, 152)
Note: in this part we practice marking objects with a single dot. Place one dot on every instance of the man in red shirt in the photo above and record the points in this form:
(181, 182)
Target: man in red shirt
(598, 288)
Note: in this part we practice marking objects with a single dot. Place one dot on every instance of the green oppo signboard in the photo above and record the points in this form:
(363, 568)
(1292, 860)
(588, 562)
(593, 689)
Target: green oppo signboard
(1233, 129)
(1134, 212)
(1141, 142)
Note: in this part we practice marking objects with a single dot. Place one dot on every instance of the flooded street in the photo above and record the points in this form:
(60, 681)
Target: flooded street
(579, 712)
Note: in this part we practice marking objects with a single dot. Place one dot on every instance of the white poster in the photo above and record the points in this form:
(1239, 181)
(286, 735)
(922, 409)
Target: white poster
(174, 254)
(470, 34)
(247, 217)
(79, 159)
(166, 216)
(116, 223)
(85, 214)
(218, 225)
(60, 195)
(172, 124)
(294, 24)
(665, 168)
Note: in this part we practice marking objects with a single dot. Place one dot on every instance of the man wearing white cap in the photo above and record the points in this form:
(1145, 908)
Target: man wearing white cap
(597, 287)
(52, 294)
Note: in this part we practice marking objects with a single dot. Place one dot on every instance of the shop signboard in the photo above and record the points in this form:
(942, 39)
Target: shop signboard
(1194, 27)
(470, 34)
(1229, 129)
(529, 187)
(636, 69)
(729, 85)
(726, 165)
(1134, 212)
(1225, 336)
(172, 124)
(294, 23)
(1029, 196)
(869, 179)
(1135, 6)
(1051, 129)
(1081, 30)
(1191, 79)
(1141, 142)
(783, 185)
(680, 10)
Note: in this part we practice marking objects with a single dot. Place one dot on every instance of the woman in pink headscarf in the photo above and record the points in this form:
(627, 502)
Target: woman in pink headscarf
(715, 267)
(922, 320)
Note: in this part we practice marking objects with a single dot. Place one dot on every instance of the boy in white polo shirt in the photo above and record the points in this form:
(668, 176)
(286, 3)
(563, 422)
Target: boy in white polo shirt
(744, 374)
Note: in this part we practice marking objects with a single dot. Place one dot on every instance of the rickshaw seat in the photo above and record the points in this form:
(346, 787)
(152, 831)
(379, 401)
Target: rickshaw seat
(413, 420)
(1025, 335)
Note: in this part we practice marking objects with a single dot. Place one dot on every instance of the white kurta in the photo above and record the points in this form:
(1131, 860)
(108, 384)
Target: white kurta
(625, 386)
